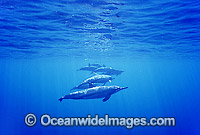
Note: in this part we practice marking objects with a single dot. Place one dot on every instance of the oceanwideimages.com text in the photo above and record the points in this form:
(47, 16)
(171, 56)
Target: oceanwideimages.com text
(128, 122)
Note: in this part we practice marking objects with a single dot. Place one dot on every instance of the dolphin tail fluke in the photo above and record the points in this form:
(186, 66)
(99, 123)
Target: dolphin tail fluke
(60, 99)
(65, 97)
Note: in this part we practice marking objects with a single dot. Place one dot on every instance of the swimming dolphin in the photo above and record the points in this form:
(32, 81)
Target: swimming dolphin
(102, 69)
(85, 86)
(94, 93)
(88, 68)
(96, 65)
(97, 79)
(113, 72)
(108, 71)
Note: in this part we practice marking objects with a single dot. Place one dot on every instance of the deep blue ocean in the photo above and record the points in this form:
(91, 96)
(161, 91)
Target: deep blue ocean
(156, 43)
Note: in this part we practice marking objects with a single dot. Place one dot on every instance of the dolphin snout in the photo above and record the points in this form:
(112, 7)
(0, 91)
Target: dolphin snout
(123, 88)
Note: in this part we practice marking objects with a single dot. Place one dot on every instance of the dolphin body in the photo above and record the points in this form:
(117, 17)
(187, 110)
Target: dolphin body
(88, 68)
(113, 72)
(85, 86)
(97, 79)
(108, 71)
(91, 67)
(103, 69)
(96, 65)
(94, 93)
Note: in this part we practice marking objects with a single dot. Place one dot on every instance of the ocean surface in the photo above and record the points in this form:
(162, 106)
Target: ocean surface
(156, 43)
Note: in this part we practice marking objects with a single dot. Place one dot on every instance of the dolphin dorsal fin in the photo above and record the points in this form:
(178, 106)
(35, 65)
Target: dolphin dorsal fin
(106, 98)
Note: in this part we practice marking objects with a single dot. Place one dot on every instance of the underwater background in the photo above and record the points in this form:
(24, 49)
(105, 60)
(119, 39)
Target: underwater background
(156, 43)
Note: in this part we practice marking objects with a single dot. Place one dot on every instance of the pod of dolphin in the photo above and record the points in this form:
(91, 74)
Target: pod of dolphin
(94, 87)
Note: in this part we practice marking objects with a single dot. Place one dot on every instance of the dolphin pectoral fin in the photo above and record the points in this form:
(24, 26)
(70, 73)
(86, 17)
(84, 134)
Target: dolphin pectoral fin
(91, 85)
(106, 98)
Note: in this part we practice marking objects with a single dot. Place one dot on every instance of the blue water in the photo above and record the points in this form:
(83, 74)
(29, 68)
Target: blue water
(156, 43)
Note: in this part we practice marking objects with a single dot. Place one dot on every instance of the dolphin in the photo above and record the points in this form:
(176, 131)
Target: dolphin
(113, 72)
(97, 79)
(108, 71)
(94, 93)
(96, 65)
(102, 69)
(85, 86)
(88, 68)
